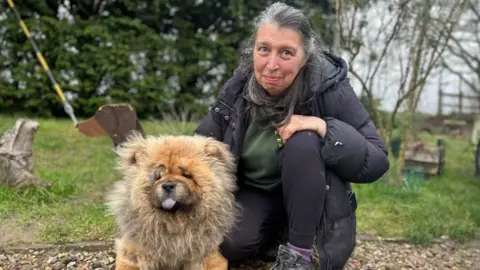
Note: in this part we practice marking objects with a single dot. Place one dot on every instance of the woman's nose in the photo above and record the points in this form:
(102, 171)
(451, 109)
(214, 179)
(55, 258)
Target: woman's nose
(272, 62)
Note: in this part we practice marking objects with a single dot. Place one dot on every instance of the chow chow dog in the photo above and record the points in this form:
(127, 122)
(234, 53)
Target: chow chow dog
(175, 202)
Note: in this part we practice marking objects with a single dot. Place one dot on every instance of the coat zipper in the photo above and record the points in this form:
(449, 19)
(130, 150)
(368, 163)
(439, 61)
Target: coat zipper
(325, 233)
(325, 225)
(225, 104)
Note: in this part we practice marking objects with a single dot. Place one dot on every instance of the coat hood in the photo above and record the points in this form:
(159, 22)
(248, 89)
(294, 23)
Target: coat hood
(332, 69)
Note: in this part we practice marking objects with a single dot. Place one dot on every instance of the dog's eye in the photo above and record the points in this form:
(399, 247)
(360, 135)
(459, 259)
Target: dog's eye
(186, 173)
(157, 172)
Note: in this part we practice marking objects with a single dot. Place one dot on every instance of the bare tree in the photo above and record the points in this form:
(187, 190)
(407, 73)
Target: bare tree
(367, 33)
(431, 31)
(412, 35)
(463, 51)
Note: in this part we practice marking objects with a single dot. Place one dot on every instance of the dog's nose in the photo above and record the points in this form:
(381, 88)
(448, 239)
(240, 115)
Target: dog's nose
(168, 186)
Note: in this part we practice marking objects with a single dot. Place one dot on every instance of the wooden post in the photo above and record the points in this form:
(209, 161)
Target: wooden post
(440, 94)
(460, 103)
(460, 97)
(440, 102)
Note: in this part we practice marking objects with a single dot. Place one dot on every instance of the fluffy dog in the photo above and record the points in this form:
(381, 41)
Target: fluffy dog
(174, 204)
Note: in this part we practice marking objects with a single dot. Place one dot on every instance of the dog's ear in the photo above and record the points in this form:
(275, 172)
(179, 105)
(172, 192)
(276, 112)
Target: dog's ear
(221, 152)
(132, 151)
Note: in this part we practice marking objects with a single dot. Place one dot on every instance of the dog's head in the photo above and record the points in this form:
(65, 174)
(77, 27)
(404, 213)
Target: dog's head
(172, 173)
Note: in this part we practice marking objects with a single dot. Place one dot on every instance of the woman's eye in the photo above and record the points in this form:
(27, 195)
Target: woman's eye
(262, 49)
(287, 53)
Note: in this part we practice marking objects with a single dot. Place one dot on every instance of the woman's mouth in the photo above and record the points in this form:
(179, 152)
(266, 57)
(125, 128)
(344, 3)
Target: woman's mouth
(271, 79)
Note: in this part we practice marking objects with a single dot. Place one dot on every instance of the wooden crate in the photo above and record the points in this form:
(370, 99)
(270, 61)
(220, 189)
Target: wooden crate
(431, 158)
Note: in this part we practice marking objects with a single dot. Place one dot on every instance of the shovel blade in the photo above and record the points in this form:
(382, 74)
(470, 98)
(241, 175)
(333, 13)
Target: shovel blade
(91, 128)
(115, 120)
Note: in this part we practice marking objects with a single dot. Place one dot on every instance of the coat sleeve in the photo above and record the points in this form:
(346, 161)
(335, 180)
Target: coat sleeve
(352, 146)
(211, 126)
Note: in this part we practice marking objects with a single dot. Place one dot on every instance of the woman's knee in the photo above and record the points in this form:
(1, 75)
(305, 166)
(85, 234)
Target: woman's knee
(238, 248)
(304, 143)
(302, 162)
(250, 232)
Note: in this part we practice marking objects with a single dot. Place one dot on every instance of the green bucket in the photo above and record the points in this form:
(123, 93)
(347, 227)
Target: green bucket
(413, 177)
(395, 144)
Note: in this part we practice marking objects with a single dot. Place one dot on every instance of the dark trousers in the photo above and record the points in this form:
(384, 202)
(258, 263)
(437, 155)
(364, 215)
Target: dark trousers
(299, 202)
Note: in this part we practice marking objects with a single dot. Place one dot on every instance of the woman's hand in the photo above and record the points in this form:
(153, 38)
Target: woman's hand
(302, 122)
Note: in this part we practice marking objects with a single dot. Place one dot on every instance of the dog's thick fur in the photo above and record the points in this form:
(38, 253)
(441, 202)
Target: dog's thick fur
(153, 238)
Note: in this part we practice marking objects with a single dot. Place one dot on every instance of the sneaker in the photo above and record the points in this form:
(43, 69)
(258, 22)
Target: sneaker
(289, 259)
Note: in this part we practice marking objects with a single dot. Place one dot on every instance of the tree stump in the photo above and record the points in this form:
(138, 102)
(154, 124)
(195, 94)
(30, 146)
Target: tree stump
(16, 156)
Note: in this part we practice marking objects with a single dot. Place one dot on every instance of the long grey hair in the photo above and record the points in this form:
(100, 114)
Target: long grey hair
(277, 110)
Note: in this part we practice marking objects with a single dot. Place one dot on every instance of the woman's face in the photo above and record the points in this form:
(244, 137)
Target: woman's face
(278, 56)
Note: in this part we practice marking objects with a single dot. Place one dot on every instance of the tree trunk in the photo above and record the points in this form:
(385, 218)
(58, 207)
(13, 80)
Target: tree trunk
(16, 162)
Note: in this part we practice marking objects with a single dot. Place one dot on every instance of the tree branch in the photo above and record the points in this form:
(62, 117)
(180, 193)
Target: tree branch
(395, 29)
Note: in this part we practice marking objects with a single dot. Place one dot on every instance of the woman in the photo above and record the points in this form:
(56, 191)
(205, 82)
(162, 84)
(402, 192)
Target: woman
(300, 136)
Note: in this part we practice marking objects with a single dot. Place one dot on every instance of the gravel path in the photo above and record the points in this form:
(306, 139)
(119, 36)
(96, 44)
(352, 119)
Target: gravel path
(446, 255)
(367, 255)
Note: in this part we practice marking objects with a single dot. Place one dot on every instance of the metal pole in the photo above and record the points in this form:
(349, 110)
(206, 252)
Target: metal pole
(66, 105)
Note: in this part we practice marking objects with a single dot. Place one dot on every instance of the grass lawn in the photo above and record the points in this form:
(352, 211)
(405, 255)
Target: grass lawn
(448, 205)
(82, 168)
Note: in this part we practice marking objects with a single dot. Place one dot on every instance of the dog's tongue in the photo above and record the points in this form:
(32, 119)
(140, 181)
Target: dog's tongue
(168, 203)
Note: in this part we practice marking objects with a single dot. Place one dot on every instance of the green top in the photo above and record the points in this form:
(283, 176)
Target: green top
(260, 156)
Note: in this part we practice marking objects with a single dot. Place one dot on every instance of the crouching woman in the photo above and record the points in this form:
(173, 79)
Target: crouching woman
(300, 136)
